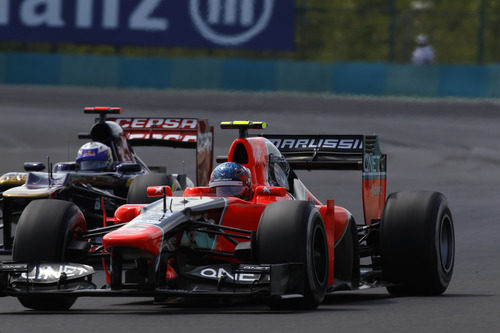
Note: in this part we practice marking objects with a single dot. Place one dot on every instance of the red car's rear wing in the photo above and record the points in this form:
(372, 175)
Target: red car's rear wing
(341, 152)
(173, 132)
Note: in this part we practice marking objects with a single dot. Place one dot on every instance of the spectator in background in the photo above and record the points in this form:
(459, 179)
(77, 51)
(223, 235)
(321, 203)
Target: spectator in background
(423, 53)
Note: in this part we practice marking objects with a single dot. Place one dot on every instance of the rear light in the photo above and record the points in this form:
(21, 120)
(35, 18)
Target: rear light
(105, 109)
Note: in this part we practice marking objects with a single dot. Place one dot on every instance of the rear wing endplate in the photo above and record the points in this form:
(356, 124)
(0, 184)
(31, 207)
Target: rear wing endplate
(341, 152)
(191, 133)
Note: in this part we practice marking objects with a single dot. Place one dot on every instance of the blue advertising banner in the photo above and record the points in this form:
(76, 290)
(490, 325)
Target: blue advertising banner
(246, 24)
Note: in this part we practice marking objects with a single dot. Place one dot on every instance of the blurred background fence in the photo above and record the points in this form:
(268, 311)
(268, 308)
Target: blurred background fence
(339, 46)
(461, 32)
(385, 30)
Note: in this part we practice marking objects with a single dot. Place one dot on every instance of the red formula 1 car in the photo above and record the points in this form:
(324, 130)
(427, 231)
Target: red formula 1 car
(278, 243)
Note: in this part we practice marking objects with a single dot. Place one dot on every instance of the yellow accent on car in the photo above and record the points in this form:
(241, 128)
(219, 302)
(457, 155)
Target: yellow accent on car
(12, 179)
(243, 124)
(240, 122)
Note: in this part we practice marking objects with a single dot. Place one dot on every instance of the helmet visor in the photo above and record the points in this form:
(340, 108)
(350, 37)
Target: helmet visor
(93, 165)
(227, 188)
(229, 191)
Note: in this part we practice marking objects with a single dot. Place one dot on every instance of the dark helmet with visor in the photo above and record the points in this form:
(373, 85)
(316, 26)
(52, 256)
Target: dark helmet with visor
(231, 179)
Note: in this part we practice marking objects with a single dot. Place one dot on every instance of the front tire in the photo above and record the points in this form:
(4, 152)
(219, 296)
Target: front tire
(294, 232)
(137, 192)
(417, 243)
(45, 231)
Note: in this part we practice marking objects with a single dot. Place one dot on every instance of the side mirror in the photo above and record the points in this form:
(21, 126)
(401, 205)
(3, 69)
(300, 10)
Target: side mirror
(157, 191)
(83, 136)
(64, 167)
(221, 158)
(34, 166)
(126, 213)
(128, 167)
(271, 191)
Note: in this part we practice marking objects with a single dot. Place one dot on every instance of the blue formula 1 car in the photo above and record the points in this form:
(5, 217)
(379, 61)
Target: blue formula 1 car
(107, 172)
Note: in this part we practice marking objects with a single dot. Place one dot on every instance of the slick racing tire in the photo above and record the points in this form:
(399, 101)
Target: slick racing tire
(45, 231)
(137, 192)
(294, 232)
(417, 243)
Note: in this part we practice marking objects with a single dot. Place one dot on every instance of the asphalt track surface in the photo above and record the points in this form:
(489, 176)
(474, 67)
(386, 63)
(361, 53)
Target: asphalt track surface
(448, 146)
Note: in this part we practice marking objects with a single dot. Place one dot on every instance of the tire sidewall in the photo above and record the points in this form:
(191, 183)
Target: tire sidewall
(442, 274)
(317, 284)
(286, 234)
(43, 235)
(137, 192)
(44, 230)
(410, 242)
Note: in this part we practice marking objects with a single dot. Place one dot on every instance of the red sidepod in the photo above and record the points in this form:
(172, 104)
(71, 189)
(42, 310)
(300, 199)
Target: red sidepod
(335, 219)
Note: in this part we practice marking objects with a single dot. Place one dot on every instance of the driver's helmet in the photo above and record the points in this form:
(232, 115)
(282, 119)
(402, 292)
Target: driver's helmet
(94, 156)
(422, 40)
(231, 179)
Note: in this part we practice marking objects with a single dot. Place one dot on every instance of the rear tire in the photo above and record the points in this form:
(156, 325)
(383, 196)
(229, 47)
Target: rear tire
(417, 243)
(137, 192)
(294, 232)
(46, 228)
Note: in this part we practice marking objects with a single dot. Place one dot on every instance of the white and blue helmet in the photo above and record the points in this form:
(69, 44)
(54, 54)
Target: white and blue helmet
(94, 156)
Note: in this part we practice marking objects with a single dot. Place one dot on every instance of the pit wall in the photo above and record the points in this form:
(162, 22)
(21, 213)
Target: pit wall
(353, 78)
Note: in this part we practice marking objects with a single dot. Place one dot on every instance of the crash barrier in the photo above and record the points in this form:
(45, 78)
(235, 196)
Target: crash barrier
(380, 79)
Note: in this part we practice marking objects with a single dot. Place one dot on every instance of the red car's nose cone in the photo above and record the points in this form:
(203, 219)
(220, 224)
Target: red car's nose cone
(144, 237)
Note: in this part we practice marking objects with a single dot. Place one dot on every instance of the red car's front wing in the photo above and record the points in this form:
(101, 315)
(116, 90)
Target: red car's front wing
(277, 280)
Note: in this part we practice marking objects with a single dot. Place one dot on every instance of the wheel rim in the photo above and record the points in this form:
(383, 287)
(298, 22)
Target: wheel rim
(319, 255)
(446, 243)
